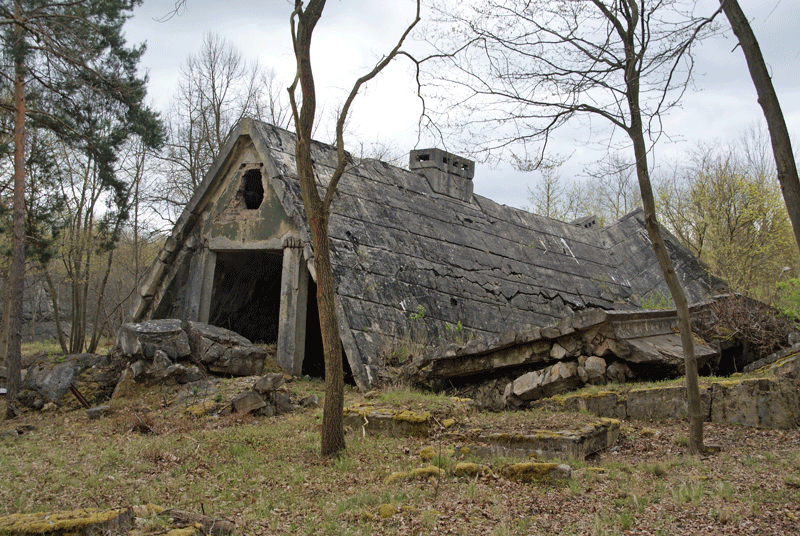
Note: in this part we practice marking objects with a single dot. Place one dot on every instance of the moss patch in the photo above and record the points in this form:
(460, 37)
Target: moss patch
(81, 521)
(532, 472)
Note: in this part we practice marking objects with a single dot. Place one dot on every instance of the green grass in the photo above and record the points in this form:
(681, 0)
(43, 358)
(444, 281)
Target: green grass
(266, 474)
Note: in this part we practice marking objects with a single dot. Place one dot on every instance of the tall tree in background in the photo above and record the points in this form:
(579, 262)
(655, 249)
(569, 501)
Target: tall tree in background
(217, 89)
(66, 59)
(768, 99)
(317, 209)
(725, 206)
(517, 69)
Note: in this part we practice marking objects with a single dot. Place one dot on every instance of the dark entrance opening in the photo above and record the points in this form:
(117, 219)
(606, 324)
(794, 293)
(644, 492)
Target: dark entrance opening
(247, 294)
(314, 361)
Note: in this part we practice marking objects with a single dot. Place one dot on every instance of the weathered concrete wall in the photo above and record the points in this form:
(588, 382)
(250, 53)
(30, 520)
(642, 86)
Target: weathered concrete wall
(757, 402)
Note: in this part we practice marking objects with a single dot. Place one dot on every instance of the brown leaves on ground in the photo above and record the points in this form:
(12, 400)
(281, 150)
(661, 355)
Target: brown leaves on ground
(266, 474)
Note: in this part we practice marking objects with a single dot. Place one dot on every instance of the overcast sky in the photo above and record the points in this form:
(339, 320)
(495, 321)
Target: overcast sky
(353, 33)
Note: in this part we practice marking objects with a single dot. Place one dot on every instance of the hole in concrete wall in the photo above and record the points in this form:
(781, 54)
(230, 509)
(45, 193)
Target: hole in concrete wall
(247, 293)
(314, 361)
(733, 358)
(253, 189)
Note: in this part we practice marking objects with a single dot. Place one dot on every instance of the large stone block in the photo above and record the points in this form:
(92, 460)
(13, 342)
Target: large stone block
(761, 402)
(50, 381)
(595, 368)
(144, 338)
(248, 402)
(663, 403)
(223, 351)
(559, 378)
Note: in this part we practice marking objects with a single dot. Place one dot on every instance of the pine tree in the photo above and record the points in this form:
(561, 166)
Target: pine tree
(70, 72)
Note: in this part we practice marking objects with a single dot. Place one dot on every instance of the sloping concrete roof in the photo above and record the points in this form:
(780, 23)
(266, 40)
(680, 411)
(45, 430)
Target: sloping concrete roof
(396, 245)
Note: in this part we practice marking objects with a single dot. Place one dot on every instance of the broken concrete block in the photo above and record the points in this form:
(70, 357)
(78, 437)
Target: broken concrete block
(247, 402)
(224, 351)
(311, 401)
(51, 381)
(283, 402)
(608, 347)
(144, 338)
(161, 362)
(182, 374)
(558, 352)
(618, 372)
(560, 378)
(583, 375)
(527, 386)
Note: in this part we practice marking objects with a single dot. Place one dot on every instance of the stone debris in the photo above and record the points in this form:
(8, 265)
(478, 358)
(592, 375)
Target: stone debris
(269, 397)
(48, 380)
(591, 347)
(270, 382)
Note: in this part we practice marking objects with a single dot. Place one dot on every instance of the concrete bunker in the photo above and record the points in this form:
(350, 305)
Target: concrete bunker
(401, 241)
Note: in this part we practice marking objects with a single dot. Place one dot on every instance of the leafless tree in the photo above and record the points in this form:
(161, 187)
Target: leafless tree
(548, 196)
(615, 182)
(519, 69)
(318, 208)
(217, 89)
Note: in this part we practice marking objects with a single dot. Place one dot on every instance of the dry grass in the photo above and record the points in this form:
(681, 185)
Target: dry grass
(267, 476)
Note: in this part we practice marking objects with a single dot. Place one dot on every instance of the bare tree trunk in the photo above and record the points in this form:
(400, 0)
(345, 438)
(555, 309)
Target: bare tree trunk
(636, 133)
(4, 321)
(100, 294)
(14, 363)
(768, 99)
(332, 419)
(332, 416)
(56, 312)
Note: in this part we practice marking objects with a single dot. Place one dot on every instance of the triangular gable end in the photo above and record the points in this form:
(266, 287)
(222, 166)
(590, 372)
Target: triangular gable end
(236, 257)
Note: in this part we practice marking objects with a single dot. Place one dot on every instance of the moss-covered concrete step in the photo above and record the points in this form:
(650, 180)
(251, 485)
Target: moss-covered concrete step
(390, 422)
(562, 444)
